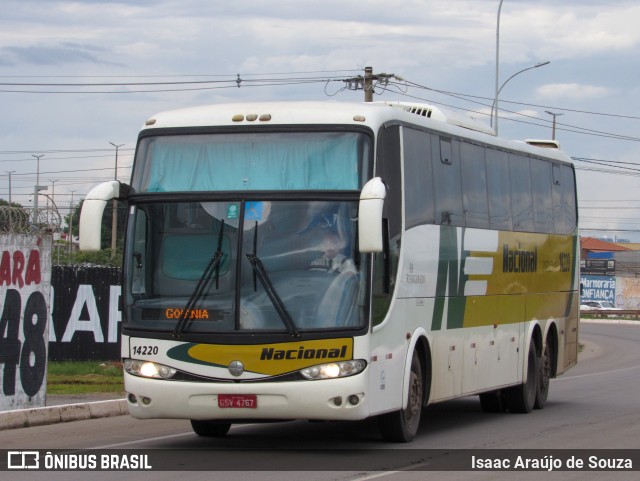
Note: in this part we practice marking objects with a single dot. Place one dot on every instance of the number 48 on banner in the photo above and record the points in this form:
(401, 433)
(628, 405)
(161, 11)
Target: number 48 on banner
(31, 354)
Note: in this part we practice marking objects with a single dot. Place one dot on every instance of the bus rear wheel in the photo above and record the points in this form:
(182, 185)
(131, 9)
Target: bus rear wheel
(210, 429)
(521, 399)
(401, 426)
(544, 376)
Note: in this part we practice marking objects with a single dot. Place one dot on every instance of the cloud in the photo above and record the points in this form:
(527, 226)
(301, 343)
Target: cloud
(573, 91)
(61, 54)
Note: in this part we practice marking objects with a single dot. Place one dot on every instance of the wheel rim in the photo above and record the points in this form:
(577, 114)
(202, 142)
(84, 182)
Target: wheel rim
(414, 406)
(546, 370)
(532, 375)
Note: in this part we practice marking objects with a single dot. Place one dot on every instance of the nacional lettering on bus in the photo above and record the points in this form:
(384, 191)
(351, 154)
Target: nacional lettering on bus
(519, 260)
(270, 353)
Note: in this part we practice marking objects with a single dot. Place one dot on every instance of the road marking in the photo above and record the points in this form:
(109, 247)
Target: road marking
(389, 473)
(158, 438)
(615, 371)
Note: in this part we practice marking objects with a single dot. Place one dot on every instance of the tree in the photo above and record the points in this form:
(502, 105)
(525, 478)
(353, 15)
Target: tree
(13, 218)
(13, 204)
(103, 257)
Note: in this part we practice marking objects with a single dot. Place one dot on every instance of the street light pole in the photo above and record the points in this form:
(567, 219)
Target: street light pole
(553, 130)
(36, 189)
(497, 91)
(53, 190)
(114, 217)
(494, 106)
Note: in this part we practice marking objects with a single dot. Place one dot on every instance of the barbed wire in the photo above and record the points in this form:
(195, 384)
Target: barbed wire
(16, 220)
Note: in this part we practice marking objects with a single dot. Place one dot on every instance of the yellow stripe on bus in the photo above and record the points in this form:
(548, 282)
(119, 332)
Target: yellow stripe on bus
(274, 359)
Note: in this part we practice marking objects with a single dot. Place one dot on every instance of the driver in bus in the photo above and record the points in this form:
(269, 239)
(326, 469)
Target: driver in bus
(332, 259)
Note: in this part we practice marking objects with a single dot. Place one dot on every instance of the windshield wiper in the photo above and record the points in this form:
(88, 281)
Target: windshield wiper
(261, 273)
(212, 266)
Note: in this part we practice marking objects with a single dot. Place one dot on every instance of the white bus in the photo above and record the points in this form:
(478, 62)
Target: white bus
(330, 261)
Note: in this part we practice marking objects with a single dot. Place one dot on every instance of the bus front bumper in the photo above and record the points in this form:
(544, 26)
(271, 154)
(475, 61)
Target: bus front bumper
(328, 399)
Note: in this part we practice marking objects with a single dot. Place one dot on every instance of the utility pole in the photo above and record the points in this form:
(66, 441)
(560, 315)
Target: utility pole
(71, 224)
(114, 217)
(367, 84)
(553, 130)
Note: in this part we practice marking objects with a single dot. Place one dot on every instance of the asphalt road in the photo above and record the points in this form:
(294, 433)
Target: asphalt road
(596, 405)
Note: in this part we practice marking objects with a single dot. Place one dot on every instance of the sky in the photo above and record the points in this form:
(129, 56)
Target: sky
(77, 77)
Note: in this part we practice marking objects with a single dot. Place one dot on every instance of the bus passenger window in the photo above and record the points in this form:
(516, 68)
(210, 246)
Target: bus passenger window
(474, 186)
(569, 199)
(541, 182)
(418, 178)
(521, 200)
(447, 185)
(498, 186)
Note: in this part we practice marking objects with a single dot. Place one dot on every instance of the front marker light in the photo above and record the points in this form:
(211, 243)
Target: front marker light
(148, 369)
(334, 370)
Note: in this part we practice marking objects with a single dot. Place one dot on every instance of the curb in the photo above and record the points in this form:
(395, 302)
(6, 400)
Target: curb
(621, 322)
(25, 418)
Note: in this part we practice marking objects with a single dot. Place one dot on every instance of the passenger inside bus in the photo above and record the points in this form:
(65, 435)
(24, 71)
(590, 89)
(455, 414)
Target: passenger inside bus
(332, 259)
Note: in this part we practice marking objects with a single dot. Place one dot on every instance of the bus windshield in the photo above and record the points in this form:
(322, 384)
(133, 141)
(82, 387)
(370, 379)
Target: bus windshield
(244, 265)
(251, 162)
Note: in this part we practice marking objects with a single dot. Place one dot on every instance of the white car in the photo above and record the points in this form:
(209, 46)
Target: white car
(596, 306)
(592, 305)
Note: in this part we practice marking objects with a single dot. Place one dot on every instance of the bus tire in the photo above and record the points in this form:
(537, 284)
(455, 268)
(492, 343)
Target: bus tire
(522, 398)
(401, 426)
(493, 401)
(210, 429)
(544, 376)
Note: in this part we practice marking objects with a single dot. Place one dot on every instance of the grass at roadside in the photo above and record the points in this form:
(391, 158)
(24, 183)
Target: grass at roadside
(80, 377)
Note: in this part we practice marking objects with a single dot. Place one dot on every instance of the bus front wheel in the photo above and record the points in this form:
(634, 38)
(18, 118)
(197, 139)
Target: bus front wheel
(210, 429)
(401, 426)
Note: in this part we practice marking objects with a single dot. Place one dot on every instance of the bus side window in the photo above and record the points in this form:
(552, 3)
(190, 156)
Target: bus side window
(474, 186)
(385, 264)
(521, 200)
(556, 191)
(499, 188)
(541, 183)
(138, 281)
(569, 199)
(418, 178)
(447, 185)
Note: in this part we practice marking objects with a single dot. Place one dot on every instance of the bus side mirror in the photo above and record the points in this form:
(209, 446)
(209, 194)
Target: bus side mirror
(372, 197)
(92, 210)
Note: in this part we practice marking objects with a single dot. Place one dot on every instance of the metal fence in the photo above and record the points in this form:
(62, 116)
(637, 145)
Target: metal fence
(18, 220)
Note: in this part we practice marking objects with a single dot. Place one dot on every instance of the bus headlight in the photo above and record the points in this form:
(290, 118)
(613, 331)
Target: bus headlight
(334, 370)
(148, 369)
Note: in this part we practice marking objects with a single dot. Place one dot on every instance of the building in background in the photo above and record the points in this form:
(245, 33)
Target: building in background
(610, 272)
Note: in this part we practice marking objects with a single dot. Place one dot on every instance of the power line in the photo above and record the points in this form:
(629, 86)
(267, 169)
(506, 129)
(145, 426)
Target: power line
(233, 82)
(75, 170)
(185, 75)
(540, 122)
(268, 80)
(539, 106)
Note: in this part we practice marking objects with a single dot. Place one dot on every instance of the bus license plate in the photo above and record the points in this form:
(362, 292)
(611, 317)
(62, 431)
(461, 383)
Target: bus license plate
(249, 401)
